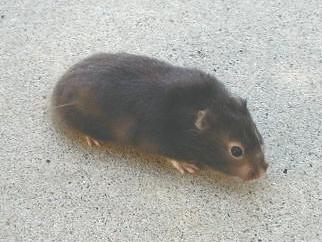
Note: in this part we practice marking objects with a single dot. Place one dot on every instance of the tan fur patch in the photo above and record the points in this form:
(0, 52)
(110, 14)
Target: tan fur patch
(121, 128)
(87, 103)
(244, 170)
(148, 146)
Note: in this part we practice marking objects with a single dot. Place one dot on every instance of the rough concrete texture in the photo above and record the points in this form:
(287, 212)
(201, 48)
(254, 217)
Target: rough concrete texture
(53, 188)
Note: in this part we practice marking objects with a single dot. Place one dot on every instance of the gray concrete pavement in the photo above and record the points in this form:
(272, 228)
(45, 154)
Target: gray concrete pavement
(52, 188)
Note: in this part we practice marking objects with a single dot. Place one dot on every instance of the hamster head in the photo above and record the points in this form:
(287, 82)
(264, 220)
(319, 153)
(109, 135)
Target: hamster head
(230, 139)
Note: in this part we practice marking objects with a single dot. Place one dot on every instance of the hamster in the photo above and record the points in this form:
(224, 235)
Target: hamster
(183, 114)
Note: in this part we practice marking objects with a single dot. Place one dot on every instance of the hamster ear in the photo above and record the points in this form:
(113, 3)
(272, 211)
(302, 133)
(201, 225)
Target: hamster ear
(200, 121)
(242, 103)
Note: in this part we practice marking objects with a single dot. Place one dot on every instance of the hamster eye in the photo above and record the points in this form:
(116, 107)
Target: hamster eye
(236, 151)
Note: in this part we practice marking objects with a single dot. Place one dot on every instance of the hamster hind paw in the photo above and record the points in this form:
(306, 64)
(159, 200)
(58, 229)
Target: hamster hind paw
(93, 142)
(183, 167)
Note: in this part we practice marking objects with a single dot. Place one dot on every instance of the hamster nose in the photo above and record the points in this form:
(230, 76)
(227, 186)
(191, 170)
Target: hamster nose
(260, 162)
(264, 165)
(262, 170)
(261, 173)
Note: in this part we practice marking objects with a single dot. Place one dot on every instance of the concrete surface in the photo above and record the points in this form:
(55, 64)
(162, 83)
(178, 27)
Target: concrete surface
(52, 188)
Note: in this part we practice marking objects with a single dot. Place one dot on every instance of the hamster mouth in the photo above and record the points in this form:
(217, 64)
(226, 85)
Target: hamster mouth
(258, 173)
(248, 173)
(255, 175)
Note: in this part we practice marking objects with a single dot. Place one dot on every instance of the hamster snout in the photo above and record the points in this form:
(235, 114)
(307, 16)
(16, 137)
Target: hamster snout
(252, 171)
(260, 166)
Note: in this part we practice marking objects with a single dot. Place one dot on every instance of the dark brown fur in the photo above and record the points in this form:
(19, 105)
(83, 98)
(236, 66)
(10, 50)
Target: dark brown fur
(153, 105)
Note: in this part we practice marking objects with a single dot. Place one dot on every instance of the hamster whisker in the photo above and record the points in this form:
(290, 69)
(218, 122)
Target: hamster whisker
(65, 105)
